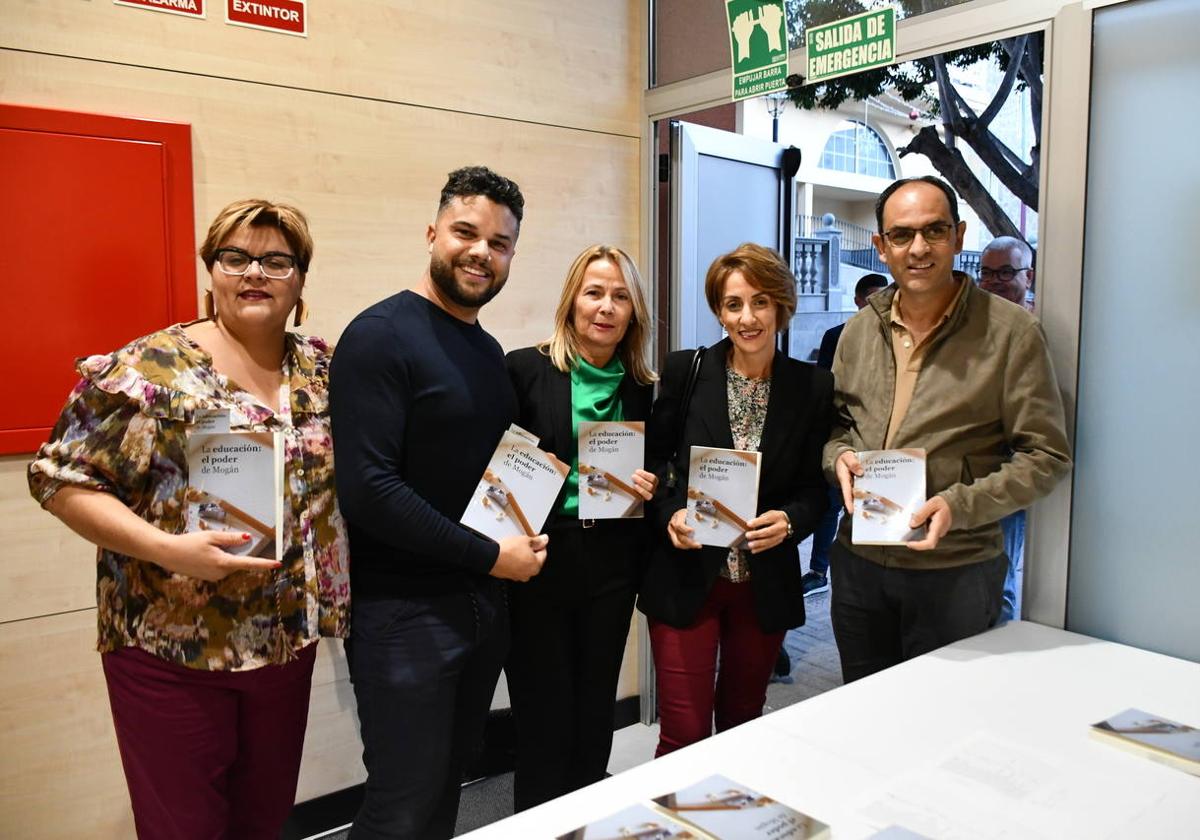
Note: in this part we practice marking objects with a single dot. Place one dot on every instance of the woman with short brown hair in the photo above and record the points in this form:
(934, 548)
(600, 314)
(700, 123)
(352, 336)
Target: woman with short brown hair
(735, 605)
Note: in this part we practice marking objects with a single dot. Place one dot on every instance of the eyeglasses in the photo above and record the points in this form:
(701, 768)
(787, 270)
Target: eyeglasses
(899, 237)
(1005, 273)
(272, 264)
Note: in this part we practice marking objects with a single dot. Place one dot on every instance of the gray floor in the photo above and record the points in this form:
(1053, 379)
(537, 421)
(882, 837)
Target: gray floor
(815, 669)
(815, 664)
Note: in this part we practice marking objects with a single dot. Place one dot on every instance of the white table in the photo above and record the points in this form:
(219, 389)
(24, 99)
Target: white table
(985, 738)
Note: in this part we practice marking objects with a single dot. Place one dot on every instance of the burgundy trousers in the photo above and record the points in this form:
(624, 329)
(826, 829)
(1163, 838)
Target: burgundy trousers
(209, 754)
(693, 691)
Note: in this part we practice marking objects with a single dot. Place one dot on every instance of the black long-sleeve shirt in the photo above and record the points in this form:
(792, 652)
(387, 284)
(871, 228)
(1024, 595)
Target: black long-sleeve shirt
(419, 400)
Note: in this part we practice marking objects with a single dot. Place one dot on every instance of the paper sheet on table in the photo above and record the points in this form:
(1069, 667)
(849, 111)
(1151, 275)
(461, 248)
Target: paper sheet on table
(986, 787)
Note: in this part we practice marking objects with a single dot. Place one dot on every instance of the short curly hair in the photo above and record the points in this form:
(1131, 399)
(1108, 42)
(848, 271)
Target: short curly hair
(258, 212)
(479, 180)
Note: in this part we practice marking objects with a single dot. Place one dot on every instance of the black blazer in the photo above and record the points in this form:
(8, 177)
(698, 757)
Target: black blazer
(677, 582)
(544, 408)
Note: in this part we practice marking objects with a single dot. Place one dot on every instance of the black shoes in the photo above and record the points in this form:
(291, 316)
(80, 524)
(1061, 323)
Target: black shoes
(814, 582)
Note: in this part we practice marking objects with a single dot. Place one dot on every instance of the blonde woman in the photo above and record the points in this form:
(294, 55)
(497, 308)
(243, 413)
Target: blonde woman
(570, 622)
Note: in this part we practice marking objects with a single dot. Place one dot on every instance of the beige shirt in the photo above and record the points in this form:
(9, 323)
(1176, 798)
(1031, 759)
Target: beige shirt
(909, 356)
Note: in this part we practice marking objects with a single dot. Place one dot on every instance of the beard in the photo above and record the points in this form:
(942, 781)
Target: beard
(442, 274)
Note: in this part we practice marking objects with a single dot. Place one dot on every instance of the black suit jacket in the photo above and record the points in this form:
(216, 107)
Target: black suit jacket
(544, 408)
(677, 582)
(829, 346)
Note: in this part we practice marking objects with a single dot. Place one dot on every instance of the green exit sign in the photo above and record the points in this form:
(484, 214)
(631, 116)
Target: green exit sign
(758, 46)
(846, 46)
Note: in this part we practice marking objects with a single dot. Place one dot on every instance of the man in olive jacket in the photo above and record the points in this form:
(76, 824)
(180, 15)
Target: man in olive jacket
(935, 363)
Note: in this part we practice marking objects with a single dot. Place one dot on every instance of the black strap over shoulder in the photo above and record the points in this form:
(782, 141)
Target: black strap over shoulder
(688, 388)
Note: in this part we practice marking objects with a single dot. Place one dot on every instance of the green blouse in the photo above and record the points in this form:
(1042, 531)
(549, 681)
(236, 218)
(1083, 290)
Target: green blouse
(593, 397)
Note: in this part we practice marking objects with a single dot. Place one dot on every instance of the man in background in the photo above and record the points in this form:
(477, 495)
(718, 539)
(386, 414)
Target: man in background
(1006, 270)
(816, 579)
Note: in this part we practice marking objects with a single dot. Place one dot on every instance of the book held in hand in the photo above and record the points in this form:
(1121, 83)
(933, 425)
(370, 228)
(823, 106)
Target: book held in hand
(517, 490)
(609, 453)
(713, 809)
(1158, 738)
(887, 494)
(235, 483)
(722, 494)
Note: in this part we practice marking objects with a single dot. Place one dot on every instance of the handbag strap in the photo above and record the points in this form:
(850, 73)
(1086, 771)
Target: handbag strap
(688, 388)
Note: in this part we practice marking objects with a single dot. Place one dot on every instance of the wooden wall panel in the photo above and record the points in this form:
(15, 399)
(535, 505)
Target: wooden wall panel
(47, 568)
(545, 61)
(368, 175)
(332, 748)
(60, 773)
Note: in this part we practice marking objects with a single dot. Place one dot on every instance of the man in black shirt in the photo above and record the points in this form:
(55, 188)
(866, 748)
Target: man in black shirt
(419, 398)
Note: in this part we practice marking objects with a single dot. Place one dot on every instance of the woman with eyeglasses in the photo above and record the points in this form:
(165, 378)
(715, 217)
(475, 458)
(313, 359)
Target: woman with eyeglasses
(208, 655)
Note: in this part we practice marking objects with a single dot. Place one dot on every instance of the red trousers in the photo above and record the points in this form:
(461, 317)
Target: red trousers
(693, 688)
(209, 754)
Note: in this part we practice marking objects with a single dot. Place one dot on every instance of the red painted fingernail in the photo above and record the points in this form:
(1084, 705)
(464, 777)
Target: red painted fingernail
(245, 537)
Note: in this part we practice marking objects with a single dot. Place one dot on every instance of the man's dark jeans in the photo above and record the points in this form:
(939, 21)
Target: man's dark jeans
(424, 670)
(884, 616)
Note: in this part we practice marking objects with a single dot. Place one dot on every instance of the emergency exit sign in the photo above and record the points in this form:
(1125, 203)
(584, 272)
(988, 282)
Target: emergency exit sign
(758, 46)
(849, 45)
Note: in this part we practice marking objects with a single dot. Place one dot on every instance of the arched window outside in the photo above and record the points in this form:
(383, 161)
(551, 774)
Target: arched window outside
(856, 147)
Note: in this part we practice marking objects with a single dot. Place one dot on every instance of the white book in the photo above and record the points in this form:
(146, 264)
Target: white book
(722, 494)
(235, 483)
(1157, 738)
(609, 453)
(637, 822)
(517, 490)
(718, 807)
(887, 494)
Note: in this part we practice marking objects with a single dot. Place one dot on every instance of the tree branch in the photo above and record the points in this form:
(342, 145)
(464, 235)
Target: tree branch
(1015, 47)
(949, 113)
(953, 167)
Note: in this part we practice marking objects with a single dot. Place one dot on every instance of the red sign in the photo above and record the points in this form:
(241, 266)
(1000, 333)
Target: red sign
(191, 8)
(277, 15)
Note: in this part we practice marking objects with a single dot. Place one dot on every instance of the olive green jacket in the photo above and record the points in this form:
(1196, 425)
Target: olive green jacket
(986, 409)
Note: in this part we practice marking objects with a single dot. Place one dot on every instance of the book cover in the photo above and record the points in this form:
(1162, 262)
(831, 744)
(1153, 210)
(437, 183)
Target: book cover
(609, 453)
(722, 494)
(721, 808)
(637, 822)
(887, 494)
(1163, 740)
(235, 483)
(517, 490)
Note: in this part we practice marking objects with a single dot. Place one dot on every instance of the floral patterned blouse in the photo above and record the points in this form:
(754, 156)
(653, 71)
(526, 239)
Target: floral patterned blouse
(747, 414)
(124, 431)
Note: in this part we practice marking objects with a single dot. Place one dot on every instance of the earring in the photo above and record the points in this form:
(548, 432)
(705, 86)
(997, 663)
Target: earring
(301, 313)
(210, 309)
